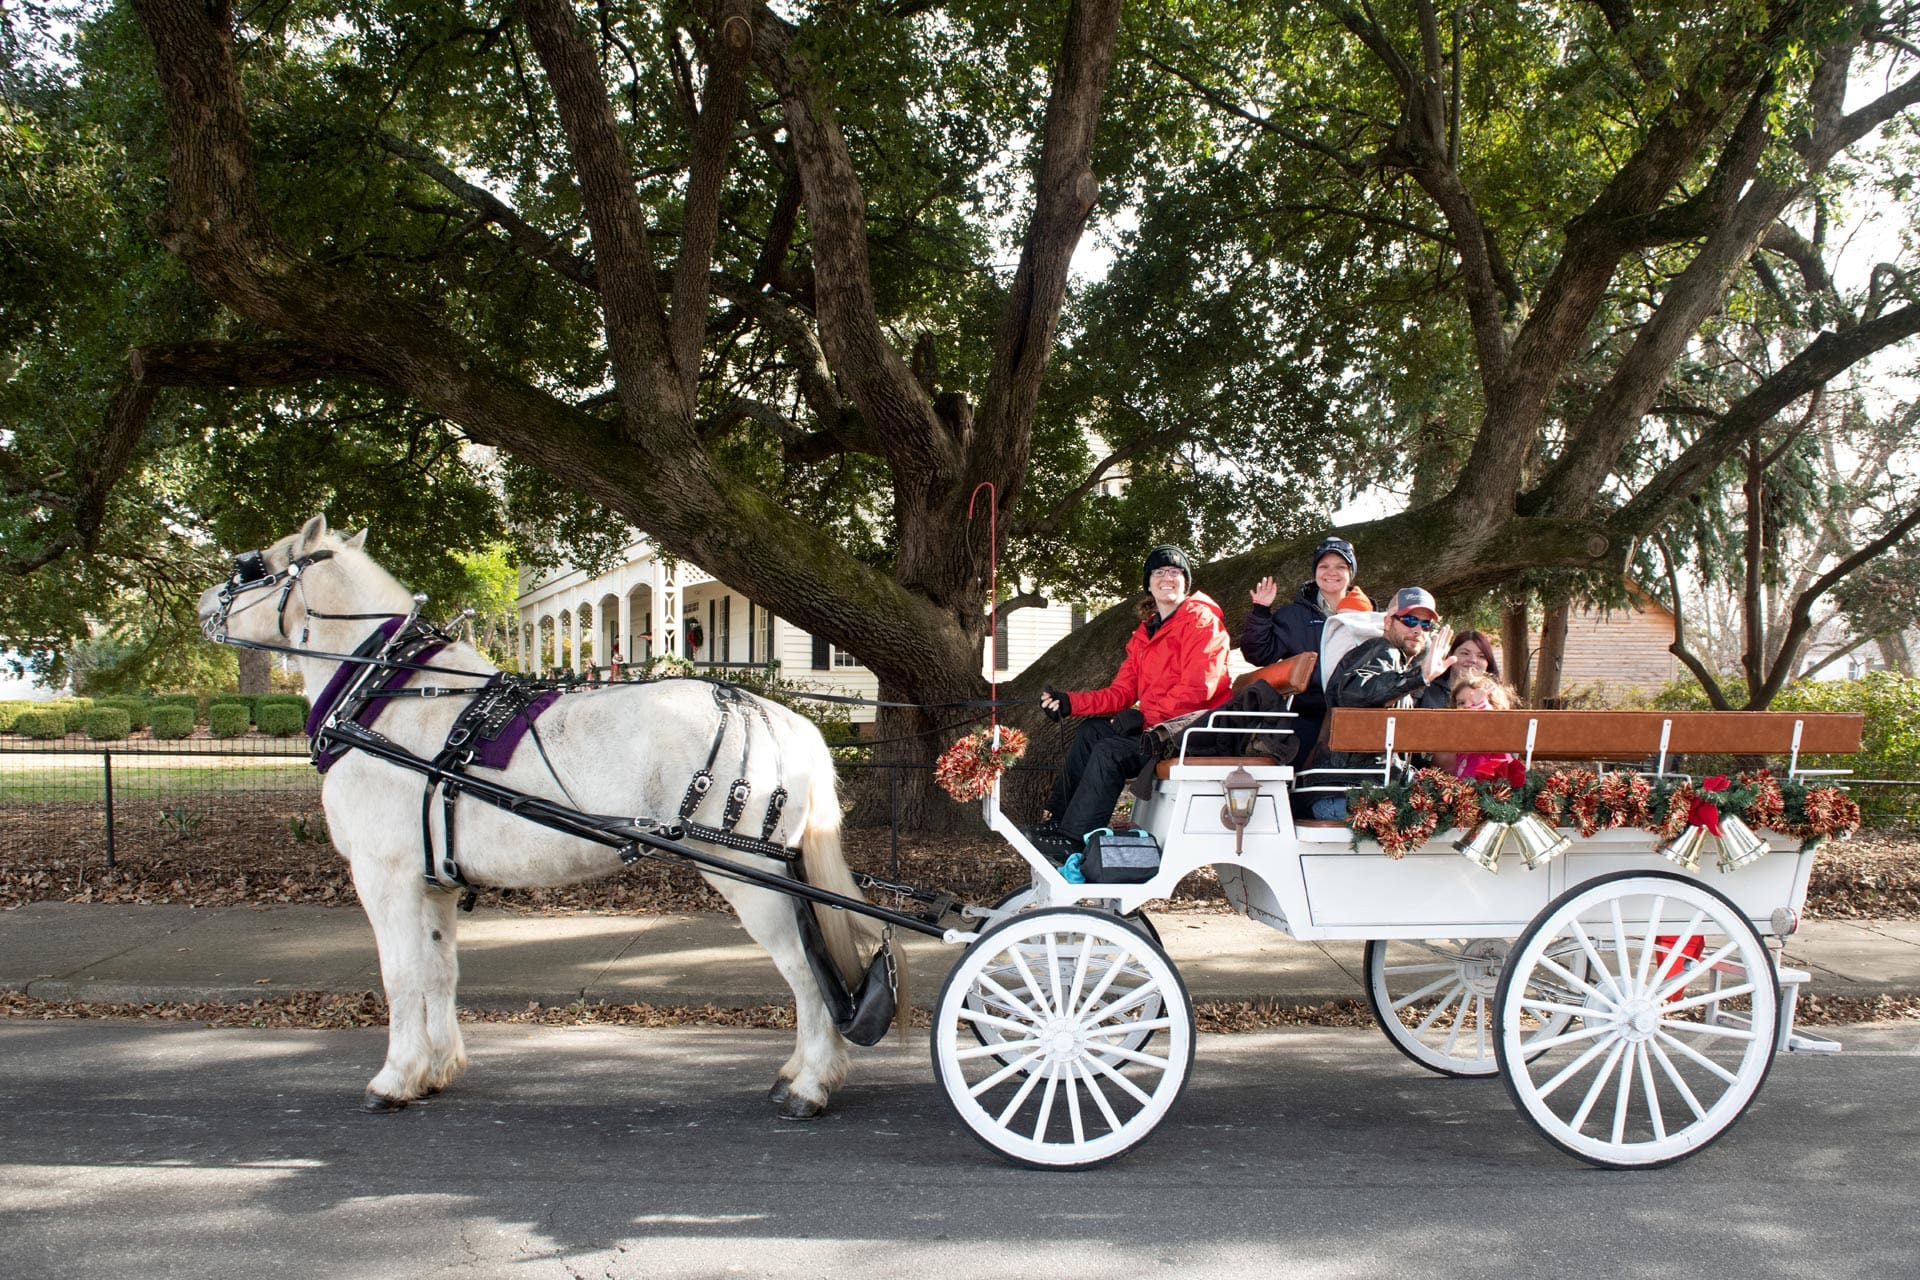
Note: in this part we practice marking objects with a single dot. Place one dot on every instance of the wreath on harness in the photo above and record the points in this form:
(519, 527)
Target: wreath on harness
(969, 768)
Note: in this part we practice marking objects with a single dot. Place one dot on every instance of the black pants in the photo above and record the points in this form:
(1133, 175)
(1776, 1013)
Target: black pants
(1098, 766)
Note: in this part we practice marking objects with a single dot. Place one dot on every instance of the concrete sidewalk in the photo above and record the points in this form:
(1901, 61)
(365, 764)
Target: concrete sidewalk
(138, 954)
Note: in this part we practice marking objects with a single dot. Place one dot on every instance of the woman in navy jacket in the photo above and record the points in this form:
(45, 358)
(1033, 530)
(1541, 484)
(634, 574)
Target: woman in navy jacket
(1271, 635)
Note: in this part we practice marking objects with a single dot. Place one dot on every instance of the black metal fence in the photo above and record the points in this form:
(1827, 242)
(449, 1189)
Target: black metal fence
(90, 797)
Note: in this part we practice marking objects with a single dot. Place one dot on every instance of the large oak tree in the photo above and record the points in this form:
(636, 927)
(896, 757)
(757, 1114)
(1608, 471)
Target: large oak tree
(782, 285)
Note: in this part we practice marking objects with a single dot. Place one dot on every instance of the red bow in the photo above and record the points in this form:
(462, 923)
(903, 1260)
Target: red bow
(1718, 782)
(1705, 813)
(1511, 770)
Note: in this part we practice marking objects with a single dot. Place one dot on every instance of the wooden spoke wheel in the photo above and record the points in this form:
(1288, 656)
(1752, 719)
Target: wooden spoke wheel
(1668, 1033)
(1434, 998)
(1032, 1036)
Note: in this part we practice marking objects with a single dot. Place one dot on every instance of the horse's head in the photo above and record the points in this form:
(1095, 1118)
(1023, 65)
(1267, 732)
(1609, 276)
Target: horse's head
(310, 574)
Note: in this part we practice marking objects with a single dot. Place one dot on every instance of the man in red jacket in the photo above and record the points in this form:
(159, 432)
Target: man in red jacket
(1176, 663)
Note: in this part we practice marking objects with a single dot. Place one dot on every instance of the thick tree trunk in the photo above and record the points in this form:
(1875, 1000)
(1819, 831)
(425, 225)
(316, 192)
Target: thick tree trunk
(256, 671)
(1516, 655)
(1553, 653)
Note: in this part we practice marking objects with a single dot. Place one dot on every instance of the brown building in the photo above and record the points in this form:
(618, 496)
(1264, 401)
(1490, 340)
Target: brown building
(1619, 648)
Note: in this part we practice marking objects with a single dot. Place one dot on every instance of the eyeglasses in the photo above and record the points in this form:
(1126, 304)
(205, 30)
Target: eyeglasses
(1414, 620)
(1169, 571)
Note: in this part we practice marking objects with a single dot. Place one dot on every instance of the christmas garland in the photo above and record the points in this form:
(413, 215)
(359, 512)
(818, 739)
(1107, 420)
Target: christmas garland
(1405, 814)
(969, 768)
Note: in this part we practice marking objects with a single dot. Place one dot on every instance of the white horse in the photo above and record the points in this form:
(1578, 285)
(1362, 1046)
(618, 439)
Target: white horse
(630, 750)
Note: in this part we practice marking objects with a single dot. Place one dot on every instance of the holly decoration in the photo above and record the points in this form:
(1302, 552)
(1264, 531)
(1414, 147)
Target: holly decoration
(969, 768)
(1405, 814)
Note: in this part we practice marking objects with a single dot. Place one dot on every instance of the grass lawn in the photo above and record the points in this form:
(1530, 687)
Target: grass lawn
(25, 779)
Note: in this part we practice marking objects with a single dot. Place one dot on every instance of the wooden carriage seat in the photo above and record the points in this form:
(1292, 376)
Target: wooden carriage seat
(1287, 676)
(1597, 735)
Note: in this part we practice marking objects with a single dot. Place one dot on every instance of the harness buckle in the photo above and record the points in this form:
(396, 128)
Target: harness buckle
(431, 691)
(702, 782)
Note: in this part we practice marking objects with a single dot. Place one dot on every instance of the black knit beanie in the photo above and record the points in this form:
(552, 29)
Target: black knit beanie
(1160, 558)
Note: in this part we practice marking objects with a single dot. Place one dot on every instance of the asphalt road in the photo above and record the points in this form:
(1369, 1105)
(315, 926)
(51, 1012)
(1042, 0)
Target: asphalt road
(130, 1150)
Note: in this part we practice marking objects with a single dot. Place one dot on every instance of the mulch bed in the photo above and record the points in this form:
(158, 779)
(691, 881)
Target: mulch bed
(243, 851)
(239, 850)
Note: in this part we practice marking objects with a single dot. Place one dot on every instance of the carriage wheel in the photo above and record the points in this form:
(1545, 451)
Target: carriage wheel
(1434, 998)
(1010, 977)
(1663, 1048)
(1057, 1087)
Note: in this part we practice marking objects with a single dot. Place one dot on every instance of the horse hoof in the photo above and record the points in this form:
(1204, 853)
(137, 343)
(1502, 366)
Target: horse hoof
(380, 1103)
(794, 1107)
(781, 1088)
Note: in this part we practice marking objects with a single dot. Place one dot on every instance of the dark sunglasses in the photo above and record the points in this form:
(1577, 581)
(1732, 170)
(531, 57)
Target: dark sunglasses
(1414, 620)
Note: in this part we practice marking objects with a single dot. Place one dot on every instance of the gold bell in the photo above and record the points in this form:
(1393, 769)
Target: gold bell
(1739, 845)
(1538, 843)
(1683, 850)
(1482, 845)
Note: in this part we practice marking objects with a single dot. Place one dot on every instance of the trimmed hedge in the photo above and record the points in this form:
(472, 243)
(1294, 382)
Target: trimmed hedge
(171, 720)
(195, 703)
(107, 723)
(10, 711)
(280, 719)
(228, 719)
(282, 700)
(41, 724)
(139, 710)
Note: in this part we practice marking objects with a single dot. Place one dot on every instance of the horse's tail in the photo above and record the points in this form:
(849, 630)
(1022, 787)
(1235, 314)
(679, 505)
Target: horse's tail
(847, 936)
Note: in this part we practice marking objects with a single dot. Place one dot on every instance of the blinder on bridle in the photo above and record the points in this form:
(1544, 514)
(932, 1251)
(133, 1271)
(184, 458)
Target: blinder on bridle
(250, 574)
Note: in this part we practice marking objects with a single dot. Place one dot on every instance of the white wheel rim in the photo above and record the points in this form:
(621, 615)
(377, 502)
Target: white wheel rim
(1435, 999)
(984, 998)
(1058, 1085)
(1659, 1051)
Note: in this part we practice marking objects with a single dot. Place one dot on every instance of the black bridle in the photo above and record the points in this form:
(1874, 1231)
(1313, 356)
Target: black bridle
(250, 575)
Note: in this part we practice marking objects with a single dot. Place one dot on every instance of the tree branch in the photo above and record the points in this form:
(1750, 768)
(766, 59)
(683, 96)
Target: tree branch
(524, 236)
(1716, 696)
(1802, 618)
(1064, 194)
(713, 135)
(851, 336)
(1824, 358)
(651, 396)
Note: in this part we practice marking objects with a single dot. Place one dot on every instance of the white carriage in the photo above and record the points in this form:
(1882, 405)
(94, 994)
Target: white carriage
(1632, 1008)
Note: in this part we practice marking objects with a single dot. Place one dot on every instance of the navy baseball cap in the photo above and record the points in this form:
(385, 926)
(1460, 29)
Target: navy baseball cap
(1407, 599)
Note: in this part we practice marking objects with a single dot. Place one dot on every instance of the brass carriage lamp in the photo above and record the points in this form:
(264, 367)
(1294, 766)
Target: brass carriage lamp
(1242, 790)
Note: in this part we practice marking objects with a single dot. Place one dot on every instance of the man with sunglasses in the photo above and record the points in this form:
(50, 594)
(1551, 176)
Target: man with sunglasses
(1389, 670)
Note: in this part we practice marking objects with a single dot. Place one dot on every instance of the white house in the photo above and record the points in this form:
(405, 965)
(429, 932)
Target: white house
(649, 605)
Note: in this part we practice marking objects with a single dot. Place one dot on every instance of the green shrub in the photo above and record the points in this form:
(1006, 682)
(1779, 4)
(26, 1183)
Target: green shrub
(10, 711)
(280, 719)
(171, 720)
(71, 708)
(104, 724)
(283, 700)
(138, 709)
(41, 724)
(194, 703)
(228, 719)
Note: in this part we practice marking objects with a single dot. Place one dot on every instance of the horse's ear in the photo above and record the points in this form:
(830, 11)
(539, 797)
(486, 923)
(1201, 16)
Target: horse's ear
(357, 541)
(311, 533)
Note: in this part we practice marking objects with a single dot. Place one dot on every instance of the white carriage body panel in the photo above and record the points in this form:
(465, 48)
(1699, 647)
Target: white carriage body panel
(1312, 883)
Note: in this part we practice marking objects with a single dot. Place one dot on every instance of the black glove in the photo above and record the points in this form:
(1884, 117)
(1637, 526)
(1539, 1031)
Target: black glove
(1063, 705)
